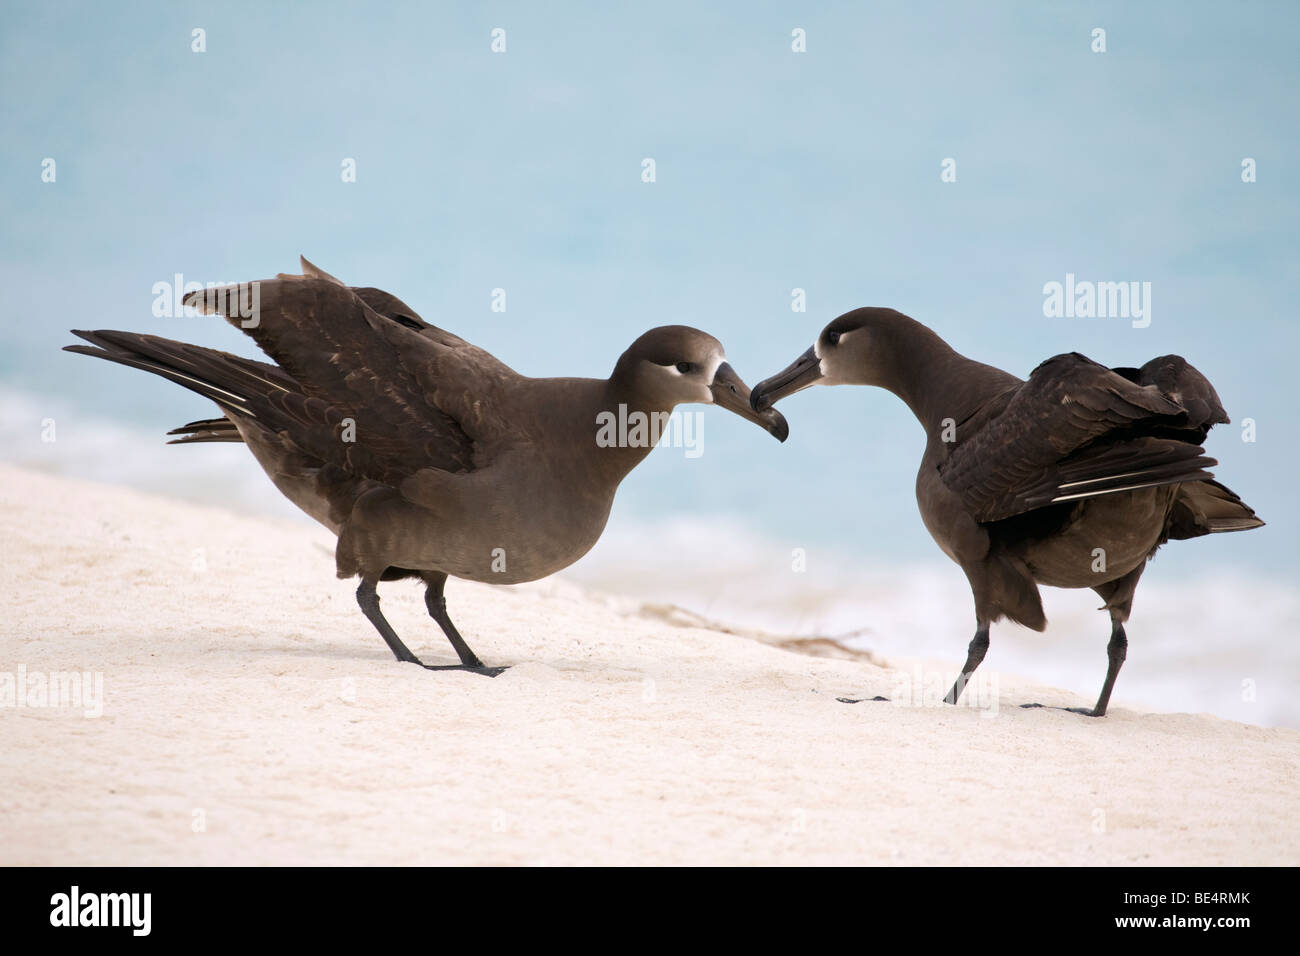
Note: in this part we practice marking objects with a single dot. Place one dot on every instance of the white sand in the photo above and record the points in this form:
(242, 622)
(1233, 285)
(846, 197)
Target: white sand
(242, 688)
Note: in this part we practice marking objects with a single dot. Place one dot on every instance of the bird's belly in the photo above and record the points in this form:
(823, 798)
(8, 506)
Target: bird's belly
(1106, 538)
(502, 540)
(298, 478)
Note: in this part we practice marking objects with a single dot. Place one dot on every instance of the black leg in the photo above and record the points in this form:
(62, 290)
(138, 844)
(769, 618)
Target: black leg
(1117, 651)
(979, 646)
(437, 605)
(1118, 596)
(368, 598)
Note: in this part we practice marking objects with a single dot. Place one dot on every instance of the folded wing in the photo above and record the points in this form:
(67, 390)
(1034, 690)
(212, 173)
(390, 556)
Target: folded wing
(1076, 429)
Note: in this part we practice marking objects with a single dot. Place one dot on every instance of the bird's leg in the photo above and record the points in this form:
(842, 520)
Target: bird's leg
(979, 646)
(1118, 596)
(1116, 651)
(368, 598)
(437, 605)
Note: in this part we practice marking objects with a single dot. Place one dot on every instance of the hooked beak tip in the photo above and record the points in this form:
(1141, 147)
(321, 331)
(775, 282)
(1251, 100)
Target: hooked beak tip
(802, 372)
(731, 393)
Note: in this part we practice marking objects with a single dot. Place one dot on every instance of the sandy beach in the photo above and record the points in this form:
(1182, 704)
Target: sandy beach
(233, 706)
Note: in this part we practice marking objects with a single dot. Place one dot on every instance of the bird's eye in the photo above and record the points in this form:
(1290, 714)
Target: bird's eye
(832, 338)
(685, 367)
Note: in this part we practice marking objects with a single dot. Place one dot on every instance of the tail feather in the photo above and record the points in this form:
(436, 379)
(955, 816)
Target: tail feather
(207, 430)
(1207, 507)
(255, 394)
(231, 381)
(228, 400)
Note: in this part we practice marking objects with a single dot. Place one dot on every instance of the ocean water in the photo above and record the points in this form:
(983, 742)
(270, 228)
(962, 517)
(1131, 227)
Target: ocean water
(1216, 640)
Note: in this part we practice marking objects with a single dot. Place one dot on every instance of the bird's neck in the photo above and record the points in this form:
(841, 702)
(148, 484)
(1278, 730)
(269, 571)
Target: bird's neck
(941, 386)
(618, 429)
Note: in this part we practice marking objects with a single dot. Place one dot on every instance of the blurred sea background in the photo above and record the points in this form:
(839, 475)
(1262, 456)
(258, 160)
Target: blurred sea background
(775, 171)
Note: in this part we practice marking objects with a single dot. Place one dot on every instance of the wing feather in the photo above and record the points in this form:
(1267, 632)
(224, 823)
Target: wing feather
(1076, 429)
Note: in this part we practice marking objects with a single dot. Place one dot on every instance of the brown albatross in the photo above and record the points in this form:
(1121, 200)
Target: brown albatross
(1073, 478)
(425, 455)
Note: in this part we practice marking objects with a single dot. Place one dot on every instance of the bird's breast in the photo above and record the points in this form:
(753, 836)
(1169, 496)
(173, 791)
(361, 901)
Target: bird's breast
(524, 529)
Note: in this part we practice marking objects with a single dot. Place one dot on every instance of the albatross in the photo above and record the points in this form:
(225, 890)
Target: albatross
(1071, 478)
(424, 454)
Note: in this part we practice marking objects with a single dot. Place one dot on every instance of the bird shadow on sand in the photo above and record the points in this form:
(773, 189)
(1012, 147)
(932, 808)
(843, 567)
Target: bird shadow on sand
(1082, 711)
(254, 649)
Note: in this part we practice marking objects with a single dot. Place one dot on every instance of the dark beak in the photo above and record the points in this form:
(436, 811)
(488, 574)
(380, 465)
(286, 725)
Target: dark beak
(802, 372)
(733, 395)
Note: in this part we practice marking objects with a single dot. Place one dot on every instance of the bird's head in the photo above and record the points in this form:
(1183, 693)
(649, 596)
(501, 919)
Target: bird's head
(854, 349)
(675, 364)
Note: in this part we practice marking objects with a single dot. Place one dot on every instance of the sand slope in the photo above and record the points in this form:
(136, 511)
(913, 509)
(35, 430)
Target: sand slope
(251, 715)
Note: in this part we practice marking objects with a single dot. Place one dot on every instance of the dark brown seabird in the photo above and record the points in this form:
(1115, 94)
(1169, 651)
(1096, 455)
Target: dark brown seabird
(425, 455)
(1073, 478)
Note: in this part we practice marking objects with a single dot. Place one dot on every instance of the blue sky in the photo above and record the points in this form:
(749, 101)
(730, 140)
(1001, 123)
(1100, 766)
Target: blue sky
(775, 170)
